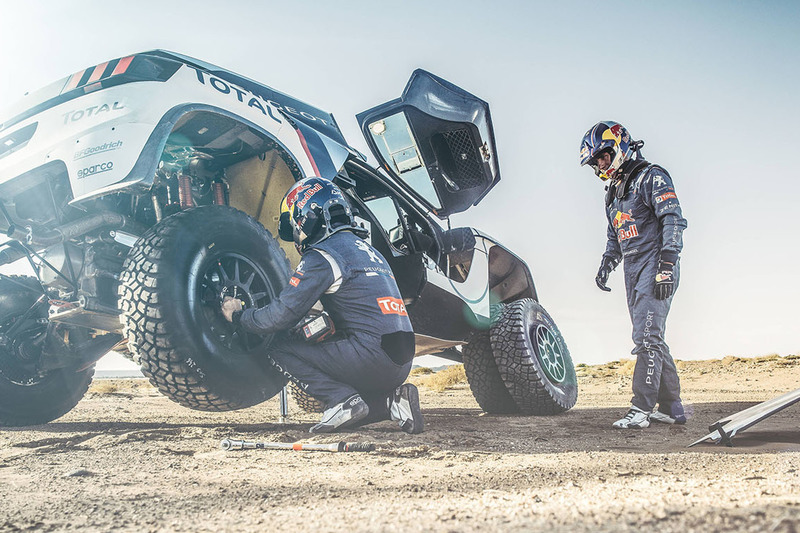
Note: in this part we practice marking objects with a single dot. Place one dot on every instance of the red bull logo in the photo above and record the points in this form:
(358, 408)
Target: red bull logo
(621, 219)
(629, 233)
(308, 194)
(291, 198)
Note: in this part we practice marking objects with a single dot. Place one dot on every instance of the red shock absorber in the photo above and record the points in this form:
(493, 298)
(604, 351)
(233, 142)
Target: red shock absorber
(185, 190)
(219, 192)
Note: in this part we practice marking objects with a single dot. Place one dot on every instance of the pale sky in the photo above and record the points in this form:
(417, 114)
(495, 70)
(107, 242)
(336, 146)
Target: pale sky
(710, 86)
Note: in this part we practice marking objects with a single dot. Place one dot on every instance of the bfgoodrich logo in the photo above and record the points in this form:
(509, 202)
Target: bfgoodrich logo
(92, 150)
(95, 169)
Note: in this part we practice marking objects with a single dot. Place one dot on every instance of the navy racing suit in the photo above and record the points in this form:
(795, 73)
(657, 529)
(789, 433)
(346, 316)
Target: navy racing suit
(373, 347)
(645, 225)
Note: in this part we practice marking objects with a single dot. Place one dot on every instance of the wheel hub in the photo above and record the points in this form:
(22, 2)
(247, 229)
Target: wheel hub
(18, 360)
(236, 276)
(550, 354)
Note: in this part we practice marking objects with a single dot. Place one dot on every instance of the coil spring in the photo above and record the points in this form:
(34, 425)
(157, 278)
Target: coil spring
(185, 191)
(219, 193)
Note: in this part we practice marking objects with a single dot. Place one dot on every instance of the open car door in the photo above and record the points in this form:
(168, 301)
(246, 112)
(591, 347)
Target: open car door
(437, 142)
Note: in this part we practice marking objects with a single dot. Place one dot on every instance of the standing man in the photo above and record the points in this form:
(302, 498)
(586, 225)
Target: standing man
(645, 227)
(359, 373)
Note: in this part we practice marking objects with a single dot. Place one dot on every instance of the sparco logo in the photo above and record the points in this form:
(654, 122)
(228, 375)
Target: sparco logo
(95, 169)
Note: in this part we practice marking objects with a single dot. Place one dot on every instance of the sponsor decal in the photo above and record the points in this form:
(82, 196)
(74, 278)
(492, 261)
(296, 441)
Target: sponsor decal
(355, 401)
(629, 233)
(243, 96)
(194, 366)
(379, 271)
(664, 276)
(667, 207)
(92, 150)
(307, 195)
(658, 181)
(95, 169)
(665, 196)
(651, 354)
(78, 114)
(392, 306)
(294, 282)
(286, 374)
(612, 134)
(373, 255)
(291, 197)
(620, 219)
(252, 100)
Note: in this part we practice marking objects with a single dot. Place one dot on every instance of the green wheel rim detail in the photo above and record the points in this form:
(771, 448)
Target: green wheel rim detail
(550, 355)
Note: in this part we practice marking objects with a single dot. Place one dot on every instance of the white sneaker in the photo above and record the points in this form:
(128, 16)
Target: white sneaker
(404, 408)
(663, 418)
(342, 415)
(635, 418)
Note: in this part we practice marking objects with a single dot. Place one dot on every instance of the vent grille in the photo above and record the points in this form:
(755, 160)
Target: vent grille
(469, 173)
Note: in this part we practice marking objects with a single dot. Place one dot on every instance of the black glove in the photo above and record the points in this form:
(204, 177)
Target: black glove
(665, 280)
(606, 266)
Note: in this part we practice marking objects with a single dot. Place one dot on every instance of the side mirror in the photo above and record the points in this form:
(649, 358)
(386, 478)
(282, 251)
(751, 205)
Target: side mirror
(457, 240)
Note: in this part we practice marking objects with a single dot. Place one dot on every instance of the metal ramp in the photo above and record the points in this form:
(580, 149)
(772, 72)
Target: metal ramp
(722, 431)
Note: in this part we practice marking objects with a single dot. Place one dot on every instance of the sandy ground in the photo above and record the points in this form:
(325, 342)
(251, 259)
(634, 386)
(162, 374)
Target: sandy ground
(128, 459)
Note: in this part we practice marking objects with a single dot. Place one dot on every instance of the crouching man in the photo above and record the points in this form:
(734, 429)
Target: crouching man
(359, 372)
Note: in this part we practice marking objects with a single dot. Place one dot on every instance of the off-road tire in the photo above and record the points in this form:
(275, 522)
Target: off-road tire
(26, 400)
(305, 401)
(533, 359)
(483, 376)
(171, 315)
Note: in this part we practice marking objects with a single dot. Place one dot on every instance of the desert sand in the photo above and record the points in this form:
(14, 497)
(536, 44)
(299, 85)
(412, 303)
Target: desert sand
(128, 459)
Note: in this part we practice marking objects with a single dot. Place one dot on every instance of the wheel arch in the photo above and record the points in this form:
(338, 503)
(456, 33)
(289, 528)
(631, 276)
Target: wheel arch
(510, 278)
(143, 172)
(257, 184)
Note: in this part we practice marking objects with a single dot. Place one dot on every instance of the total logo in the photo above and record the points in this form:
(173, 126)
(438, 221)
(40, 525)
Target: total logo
(76, 115)
(392, 306)
(665, 196)
(252, 100)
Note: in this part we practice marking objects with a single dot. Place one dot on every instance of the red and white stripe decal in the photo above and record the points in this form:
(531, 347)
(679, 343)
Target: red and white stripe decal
(98, 72)
(73, 81)
(122, 66)
(308, 153)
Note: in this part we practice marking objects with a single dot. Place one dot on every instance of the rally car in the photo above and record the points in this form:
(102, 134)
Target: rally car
(145, 189)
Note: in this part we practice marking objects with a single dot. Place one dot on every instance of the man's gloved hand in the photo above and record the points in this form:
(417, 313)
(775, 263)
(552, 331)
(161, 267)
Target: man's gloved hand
(229, 306)
(665, 280)
(607, 265)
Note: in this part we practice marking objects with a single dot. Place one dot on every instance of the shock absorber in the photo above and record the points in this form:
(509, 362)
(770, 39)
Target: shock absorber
(220, 192)
(185, 190)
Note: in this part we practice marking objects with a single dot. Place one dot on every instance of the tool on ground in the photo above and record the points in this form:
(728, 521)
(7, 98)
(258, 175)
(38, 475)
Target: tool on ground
(229, 444)
(722, 431)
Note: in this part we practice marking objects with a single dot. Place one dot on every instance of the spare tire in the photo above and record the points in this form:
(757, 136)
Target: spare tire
(172, 285)
(533, 359)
